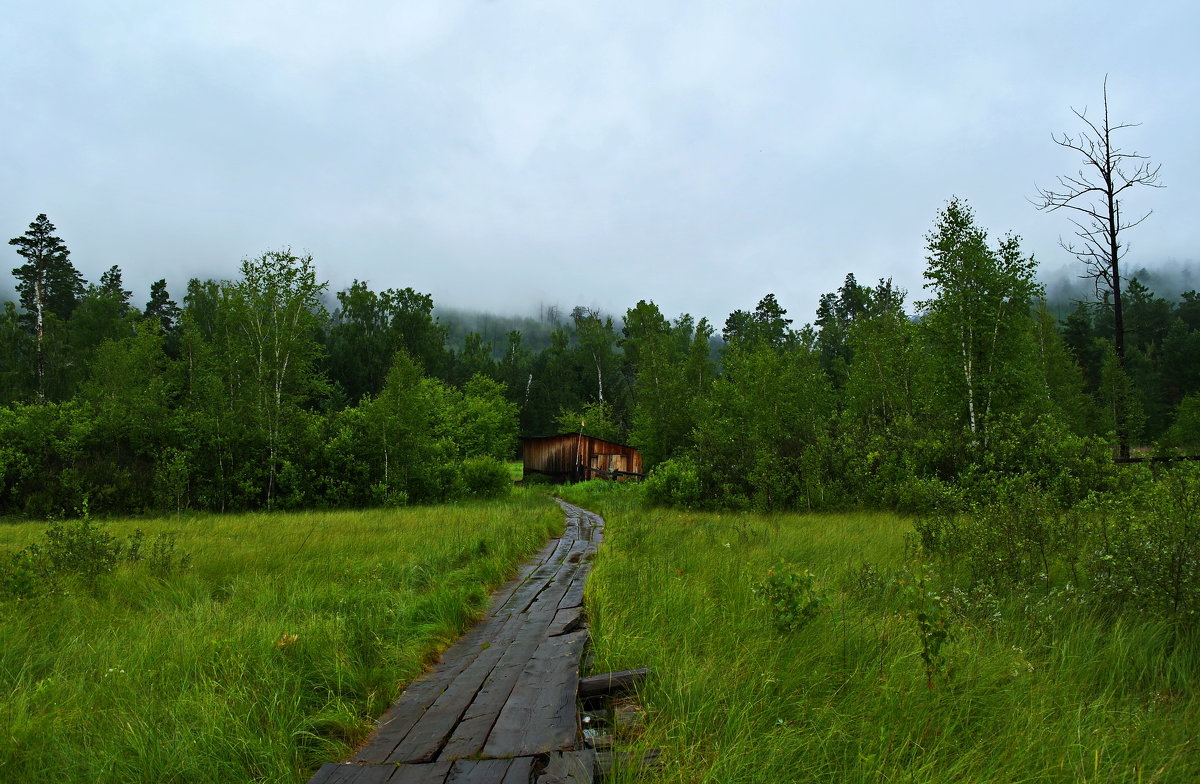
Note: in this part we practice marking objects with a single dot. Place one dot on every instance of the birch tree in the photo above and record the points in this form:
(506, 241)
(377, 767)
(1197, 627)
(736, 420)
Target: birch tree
(597, 341)
(276, 313)
(978, 321)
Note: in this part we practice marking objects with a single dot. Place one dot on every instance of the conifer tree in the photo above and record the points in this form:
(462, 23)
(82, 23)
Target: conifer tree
(48, 284)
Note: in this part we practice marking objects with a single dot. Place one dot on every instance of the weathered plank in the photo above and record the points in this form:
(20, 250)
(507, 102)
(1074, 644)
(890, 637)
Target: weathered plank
(428, 773)
(486, 771)
(569, 767)
(540, 715)
(611, 682)
(524, 630)
(567, 619)
(469, 736)
(528, 590)
(520, 772)
(574, 595)
(398, 720)
(502, 596)
(334, 773)
(503, 693)
(423, 742)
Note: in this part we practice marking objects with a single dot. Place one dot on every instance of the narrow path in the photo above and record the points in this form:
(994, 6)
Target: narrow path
(500, 706)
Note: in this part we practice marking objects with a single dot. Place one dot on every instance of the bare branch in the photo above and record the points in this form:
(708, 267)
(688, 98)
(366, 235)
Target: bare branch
(1093, 194)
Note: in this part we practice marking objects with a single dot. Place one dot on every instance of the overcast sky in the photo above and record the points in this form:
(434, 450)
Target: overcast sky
(501, 154)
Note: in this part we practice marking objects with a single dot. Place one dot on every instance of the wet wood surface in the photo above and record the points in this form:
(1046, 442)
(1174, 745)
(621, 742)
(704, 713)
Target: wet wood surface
(501, 703)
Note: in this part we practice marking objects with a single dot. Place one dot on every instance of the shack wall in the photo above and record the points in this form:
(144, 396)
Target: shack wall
(570, 457)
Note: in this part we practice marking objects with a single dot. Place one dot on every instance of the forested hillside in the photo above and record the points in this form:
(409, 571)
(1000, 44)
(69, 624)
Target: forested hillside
(252, 392)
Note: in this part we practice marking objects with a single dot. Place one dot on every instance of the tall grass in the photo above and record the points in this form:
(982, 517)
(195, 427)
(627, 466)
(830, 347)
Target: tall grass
(271, 654)
(1029, 690)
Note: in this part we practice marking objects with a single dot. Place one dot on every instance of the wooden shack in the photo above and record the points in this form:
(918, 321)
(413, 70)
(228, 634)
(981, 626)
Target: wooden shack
(572, 457)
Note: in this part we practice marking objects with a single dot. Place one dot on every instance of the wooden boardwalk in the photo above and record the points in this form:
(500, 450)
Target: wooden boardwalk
(500, 706)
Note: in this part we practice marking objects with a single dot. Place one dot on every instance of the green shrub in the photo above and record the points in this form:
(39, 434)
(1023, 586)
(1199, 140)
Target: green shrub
(486, 477)
(935, 623)
(1184, 433)
(1046, 453)
(163, 559)
(83, 550)
(927, 496)
(792, 596)
(1146, 552)
(675, 482)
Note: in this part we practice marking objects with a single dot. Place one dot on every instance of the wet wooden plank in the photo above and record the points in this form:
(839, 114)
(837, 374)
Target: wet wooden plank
(611, 682)
(503, 693)
(336, 773)
(520, 772)
(569, 767)
(403, 715)
(574, 594)
(581, 556)
(437, 724)
(486, 771)
(502, 596)
(428, 773)
(414, 729)
(524, 630)
(423, 742)
(566, 620)
(469, 736)
(524, 595)
(540, 716)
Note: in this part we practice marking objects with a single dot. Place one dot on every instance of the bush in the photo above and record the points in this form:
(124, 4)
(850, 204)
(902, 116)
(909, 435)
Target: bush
(83, 550)
(1044, 452)
(792, 596)
(675, 482)
(486, 477)
(1146, 554)
(927, 496)
(1184, 433)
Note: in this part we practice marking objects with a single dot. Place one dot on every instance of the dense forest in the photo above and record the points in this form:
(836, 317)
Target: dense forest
(263, 391)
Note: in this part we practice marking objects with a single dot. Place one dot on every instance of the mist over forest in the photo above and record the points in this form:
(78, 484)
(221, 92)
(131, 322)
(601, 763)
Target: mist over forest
(1064, 288)
(1168, 279)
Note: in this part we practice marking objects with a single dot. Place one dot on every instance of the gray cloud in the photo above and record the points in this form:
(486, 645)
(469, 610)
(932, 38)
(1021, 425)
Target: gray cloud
(500, 153)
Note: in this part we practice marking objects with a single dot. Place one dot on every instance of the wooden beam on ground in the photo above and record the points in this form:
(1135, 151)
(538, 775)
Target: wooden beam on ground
(611, 683)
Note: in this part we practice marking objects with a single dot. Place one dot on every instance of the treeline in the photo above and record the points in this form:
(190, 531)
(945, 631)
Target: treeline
(974, 393)
(253, 393)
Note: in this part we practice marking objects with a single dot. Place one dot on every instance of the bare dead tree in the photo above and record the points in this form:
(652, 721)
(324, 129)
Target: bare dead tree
(1093, 196)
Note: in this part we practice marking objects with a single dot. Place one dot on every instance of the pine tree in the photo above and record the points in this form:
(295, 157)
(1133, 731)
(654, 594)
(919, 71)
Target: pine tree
(162, 307)
(111, 284)
(48, 283)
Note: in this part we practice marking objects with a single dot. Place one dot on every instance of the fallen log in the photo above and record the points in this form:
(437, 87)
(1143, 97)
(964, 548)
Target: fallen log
(610, 683)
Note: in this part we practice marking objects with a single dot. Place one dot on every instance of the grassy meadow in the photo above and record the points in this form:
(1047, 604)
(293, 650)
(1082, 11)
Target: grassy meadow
(270, 654)
(1025, 688)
